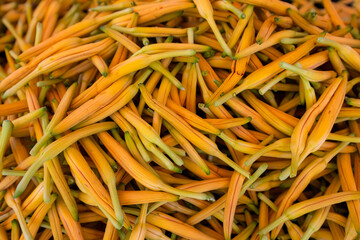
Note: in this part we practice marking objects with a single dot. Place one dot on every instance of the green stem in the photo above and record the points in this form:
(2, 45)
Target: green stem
(6, 130)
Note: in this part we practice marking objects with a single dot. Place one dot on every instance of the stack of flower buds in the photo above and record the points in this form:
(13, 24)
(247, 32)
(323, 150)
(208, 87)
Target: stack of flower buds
(179, 119)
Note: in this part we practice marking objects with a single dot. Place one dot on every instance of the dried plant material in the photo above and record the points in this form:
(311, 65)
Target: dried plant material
(179, 119)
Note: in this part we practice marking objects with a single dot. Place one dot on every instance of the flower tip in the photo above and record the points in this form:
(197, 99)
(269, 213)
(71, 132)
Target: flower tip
(210, 198)
(33, 152)
(323, 34)
(320, 39)
(46, 199)
(17, 193)
(259, 41)
(348, 100)
(292, 175)
(121, 224)
(114, 167)
(247, 163)
(7, 123)
(177, 170)
(283, 176)
(344, 72)
(193, 52)
(5, 95)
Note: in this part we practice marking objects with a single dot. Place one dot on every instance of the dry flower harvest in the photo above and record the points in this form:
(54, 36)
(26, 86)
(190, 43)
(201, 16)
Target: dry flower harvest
(179, 119)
